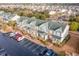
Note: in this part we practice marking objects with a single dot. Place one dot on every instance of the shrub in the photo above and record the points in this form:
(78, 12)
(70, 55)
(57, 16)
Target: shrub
(74, 26)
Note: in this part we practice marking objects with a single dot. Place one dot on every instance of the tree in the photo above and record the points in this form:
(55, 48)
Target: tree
(77, 18)
(12, 24)
(4, 27)
(72, 18)
(20, 13)
(74, 26)
(78, 26)
(29, 15)
(39, 15)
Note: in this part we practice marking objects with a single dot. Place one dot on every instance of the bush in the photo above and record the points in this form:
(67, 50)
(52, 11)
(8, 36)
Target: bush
(74, 26)
(72, 18)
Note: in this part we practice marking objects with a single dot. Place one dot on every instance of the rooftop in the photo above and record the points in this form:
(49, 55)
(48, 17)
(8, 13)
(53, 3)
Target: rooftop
(47, 25)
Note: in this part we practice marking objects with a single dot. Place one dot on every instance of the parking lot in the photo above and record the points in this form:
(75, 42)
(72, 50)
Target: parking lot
(35, 48)
(9, 46)
(32, 46)
(3, 52)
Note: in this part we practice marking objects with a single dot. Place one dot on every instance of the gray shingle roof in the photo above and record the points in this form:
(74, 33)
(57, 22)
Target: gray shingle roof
(7, 16)
(43, 25)
(37, 22)
(56, 25)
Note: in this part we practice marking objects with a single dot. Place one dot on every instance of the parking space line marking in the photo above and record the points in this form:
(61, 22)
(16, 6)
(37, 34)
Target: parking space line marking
(27, 44)
(35, 48)
(23, 42)
(31, 46)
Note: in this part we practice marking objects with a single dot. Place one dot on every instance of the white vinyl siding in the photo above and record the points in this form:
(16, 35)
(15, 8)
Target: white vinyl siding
(58, 32)
(65, 33)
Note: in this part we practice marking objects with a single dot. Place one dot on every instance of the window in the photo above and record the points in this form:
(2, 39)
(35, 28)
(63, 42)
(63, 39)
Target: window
(58, 33)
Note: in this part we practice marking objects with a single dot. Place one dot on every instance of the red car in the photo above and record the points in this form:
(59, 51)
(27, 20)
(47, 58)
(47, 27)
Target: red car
(18, 35)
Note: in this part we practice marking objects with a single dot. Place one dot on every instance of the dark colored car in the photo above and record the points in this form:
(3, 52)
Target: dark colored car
(47, 52)
(50, 53)
(43, 51)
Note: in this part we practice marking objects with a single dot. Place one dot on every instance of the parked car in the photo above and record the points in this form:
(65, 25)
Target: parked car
(43, 51)
(47, 52)
(50, 53)
(15, 35)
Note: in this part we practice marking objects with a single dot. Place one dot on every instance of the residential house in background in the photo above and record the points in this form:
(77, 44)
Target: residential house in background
(56, 31)
(8, 16)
